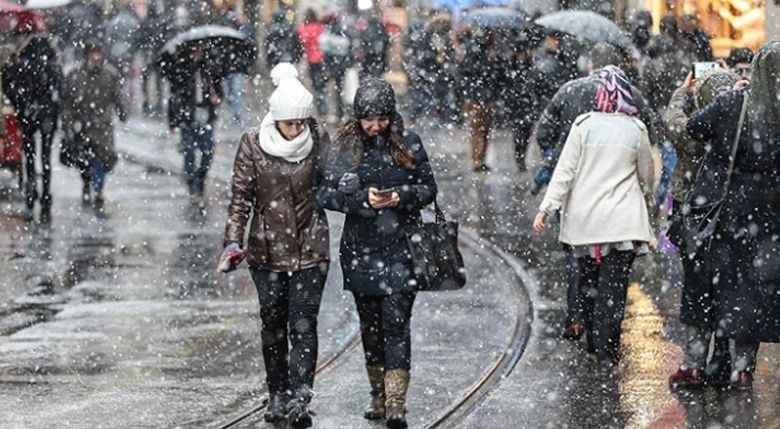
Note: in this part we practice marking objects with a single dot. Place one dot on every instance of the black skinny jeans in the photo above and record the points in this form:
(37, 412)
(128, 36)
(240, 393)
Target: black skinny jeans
(289, 304)
(604, 288)
(385, 329)
(46, 129)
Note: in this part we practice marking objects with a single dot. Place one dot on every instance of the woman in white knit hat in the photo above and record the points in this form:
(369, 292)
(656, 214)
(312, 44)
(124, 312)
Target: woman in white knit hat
(275, 175)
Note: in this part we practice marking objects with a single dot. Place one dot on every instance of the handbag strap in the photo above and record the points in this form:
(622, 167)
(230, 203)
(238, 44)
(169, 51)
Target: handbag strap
(440, 218)
(735, 146)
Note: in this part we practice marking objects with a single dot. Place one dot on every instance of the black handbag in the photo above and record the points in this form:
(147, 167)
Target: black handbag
(695, 225)
(438, 263)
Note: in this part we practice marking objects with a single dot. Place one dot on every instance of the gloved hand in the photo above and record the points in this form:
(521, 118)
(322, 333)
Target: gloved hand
(349, 183)
(231, 257)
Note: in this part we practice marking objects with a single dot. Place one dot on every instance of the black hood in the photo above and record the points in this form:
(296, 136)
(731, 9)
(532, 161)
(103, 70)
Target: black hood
(374, 97)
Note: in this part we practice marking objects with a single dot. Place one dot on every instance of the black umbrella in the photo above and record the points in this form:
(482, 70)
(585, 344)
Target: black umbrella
(496, 17)
(585, 25)
(227, 51)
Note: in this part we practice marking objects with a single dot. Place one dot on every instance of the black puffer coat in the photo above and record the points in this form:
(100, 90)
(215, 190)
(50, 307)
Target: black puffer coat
(375, 258)
(745, 253)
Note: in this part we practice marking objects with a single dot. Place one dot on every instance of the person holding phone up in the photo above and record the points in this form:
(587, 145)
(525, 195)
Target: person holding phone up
(379, 175)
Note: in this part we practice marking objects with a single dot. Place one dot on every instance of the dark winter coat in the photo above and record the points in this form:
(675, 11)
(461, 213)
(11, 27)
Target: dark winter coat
(282, 43)
(697, 43)
(483, 69)
(520, 94)
(375, 258)
(577, 97)
(183, 106)
(92, 98)
(664, 72)
(550, 71)
(374, 43)
(32, 81)
(744, 253)
(289, 231)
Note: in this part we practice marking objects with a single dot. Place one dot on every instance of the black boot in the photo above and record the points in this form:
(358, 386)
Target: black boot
(276, 410)
(376, 407)
(298, 413)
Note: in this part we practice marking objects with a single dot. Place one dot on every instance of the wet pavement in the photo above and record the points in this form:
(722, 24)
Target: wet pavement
(121, 321)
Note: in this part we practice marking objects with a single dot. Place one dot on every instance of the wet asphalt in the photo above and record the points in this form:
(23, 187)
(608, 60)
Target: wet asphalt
(119, 320)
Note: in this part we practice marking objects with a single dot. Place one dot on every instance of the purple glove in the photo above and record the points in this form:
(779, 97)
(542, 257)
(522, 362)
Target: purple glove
(349, 183)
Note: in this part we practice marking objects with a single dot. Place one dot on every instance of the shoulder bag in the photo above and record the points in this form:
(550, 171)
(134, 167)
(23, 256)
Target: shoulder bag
(699, 222)
(438, 263)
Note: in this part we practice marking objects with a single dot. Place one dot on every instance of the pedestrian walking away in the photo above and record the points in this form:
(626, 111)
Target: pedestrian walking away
(698, 298)
(309, 33)
(573, 99)
(743, 247)
(604, 176)
(336, 47)
(91, 99)
(195, 94)
(379, 175)
(276, 173)
(482, 68)
(32, 81)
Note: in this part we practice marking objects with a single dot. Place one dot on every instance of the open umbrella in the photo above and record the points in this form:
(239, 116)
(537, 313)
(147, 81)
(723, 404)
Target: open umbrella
(585, 25)
(45, 4)
(496, 17)
(227, 51)
(17, 18)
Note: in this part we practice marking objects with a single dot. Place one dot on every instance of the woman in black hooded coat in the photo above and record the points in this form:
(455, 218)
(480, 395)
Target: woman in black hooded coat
(380, 177)
(745, 251)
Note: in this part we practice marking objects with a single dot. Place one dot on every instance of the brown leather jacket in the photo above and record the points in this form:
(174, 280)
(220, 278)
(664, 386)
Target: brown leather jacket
(289, 231)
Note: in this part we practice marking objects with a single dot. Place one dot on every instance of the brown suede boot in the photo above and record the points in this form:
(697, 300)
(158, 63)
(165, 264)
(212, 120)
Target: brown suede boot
(376, 408)
(396, 384)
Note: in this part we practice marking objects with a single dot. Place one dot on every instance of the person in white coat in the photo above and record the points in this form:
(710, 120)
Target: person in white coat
(602, 186)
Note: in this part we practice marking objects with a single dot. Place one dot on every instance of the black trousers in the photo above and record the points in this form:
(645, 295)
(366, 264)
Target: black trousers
(289, 305)
(522, 129)
(604, 288)
(317, 76)
(29, 128)
(385, 328)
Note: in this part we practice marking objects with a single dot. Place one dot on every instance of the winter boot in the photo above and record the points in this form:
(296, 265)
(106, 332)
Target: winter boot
(298, 413)
(376, 408)
(396, 384)
(276, 410)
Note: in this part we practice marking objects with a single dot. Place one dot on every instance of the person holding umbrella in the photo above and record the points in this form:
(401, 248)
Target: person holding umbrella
(195, 94)
(275, 178)
(195, 62)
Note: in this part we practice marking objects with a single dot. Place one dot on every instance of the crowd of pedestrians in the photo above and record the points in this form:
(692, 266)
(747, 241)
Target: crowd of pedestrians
(596, 122)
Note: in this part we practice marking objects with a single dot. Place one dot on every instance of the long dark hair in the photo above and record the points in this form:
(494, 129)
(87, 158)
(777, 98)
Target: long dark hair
(352, 137)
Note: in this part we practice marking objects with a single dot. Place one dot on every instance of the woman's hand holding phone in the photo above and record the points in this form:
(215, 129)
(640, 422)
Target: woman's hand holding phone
(382, 199)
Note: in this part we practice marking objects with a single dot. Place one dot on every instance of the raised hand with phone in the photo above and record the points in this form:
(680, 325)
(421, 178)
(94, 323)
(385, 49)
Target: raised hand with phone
(382, 198)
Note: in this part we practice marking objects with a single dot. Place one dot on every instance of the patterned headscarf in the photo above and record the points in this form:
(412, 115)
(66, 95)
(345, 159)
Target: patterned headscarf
(614, 92)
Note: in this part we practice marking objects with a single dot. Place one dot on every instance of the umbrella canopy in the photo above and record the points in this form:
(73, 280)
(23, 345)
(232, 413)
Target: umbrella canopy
(227, 51)
(14, 17)
(496, 17)
(45, 4)
(462, 4)
(585, 25)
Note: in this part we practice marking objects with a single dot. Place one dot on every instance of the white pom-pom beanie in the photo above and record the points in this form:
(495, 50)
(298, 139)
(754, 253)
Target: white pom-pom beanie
(290, 100)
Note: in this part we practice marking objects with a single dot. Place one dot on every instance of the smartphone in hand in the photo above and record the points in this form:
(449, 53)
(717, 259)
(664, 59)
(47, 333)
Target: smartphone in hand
(385, 193)
(699, 68)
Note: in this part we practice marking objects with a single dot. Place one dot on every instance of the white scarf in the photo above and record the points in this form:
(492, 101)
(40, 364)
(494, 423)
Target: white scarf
(273, 143)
